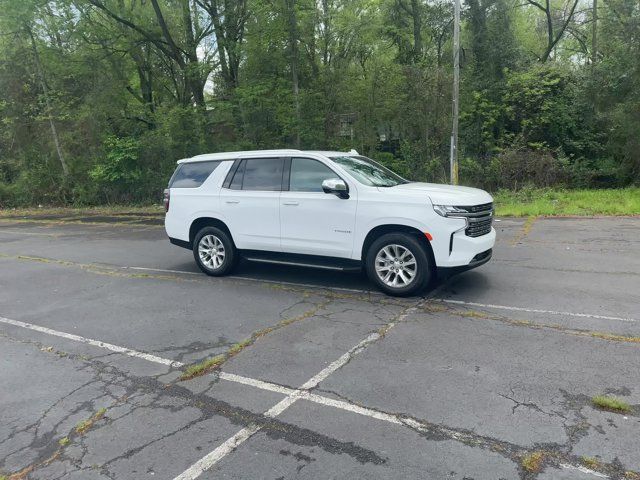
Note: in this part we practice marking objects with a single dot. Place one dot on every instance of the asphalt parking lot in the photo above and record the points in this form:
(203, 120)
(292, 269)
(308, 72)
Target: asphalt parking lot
(490, 376)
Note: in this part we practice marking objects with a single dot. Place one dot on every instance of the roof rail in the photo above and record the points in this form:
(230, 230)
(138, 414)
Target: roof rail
(234, 155)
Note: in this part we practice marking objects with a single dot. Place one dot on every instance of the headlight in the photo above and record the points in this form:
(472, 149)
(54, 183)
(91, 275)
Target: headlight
(449, 211)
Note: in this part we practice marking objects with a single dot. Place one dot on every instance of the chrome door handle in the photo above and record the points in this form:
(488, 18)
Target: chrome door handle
(290, 203)
(233, 201)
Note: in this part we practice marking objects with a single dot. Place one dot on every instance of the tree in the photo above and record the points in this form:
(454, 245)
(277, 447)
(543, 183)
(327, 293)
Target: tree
(193, 72)
(556, 22)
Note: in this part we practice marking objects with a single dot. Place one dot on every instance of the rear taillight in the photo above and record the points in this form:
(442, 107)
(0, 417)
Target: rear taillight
(165, 199)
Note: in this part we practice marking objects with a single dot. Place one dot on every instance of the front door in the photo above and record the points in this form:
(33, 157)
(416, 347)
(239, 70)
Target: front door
(313, 222)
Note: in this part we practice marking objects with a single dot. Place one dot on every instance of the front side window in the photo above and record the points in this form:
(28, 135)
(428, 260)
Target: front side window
(368, 172)
(264, 174)
(307, 175)
(192, 175)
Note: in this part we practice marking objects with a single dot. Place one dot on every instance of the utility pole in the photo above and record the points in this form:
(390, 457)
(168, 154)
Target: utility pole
(456, 91)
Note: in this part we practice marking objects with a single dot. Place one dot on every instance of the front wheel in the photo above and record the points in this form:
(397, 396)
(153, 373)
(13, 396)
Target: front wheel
(398, 264)
(214, 251)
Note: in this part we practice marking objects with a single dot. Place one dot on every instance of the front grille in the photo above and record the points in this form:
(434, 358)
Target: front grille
(480, 218)
(478, 227)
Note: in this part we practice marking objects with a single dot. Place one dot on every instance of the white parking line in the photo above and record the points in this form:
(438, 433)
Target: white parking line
(33, 234)
(208, 461)
(246, 433)
(292, 395)
(582, 469)
(535, 310)
(260, 280)
(252, 382)
(161, 270)
(446, 300)
(95, 343)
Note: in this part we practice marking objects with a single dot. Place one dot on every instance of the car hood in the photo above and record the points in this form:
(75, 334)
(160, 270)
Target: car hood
(443, 194)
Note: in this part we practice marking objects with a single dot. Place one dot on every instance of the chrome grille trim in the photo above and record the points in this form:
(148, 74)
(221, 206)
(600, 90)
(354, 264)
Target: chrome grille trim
(479, 219)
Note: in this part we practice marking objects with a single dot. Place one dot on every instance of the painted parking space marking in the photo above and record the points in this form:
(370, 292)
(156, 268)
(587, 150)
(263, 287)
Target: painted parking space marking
(33, 234)
(96, 343)
(229, 446)
(260, 280)
(252, 382)
(535, 310)
(208, 461)
(292, 394)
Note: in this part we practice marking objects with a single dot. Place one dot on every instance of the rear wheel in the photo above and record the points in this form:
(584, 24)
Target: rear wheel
(398, 264)
(214, 251)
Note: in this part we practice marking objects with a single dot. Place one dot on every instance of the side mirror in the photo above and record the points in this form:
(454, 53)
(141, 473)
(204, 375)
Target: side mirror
(336, 186)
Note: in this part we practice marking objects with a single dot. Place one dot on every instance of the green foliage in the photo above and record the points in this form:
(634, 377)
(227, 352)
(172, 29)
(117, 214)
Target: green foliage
(119, 168)
(614, 404)
(124, 98)
(531, 201)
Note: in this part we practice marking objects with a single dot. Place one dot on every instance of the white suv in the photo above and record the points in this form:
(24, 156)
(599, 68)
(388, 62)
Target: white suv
(332, 210)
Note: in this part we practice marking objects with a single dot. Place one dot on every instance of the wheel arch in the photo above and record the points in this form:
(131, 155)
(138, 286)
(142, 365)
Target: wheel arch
(380, 230)
(201, 222)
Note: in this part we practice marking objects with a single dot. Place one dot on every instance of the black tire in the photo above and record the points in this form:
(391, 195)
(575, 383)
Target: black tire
(229, 260)
(424, 267)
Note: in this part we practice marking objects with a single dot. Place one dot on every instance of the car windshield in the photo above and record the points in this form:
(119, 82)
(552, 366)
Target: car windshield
(368, 172)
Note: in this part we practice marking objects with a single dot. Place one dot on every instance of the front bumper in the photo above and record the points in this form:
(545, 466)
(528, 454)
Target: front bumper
(456, 249)
(476, 261)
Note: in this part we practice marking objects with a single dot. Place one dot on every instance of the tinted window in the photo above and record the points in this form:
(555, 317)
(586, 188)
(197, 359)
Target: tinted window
(192, 175)
(307, 175)
(262, 174)
(236, 183)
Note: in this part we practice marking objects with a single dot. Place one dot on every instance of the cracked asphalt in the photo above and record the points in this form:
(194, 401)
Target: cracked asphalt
(320, 377)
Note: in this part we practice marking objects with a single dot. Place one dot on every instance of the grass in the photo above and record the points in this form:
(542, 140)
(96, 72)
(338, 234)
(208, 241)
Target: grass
(64, 441)
(85, 425)
(532, 462)
(591, 462)
(99, 210)
(238, 347)
(557, 202)
(203, 367)
(209, 364)
(612, 404)
(521, 203)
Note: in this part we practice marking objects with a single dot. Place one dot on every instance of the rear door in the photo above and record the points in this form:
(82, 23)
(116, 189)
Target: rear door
(250, 203)
(313, 222)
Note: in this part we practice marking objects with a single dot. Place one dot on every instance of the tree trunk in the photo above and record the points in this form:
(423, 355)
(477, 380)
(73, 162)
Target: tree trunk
(594, 36)
(189, 68)
(417, 30)
(293, 53)
(45, 92)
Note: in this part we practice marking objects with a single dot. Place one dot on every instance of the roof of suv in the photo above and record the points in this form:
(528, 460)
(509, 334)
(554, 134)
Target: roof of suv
(234, 155)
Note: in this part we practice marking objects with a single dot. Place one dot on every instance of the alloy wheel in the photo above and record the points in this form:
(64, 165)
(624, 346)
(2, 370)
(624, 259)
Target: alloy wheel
(396, 266)
(211, 251)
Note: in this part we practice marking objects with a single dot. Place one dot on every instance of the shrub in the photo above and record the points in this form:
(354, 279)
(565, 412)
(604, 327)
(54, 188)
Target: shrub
(514, 168)
(118, 173)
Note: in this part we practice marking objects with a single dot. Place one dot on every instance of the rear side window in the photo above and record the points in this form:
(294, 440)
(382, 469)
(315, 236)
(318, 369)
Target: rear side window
(236, 183)
(192, 175)
(261, 174)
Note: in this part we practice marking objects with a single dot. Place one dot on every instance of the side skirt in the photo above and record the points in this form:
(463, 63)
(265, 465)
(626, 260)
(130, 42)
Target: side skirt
(300, 260)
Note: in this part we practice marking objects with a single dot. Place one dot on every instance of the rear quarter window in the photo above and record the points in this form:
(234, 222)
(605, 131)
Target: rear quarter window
(192, 175)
